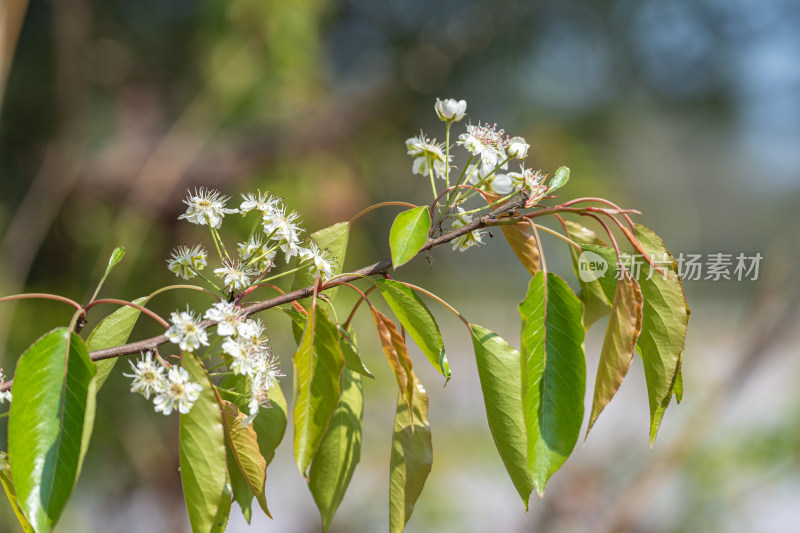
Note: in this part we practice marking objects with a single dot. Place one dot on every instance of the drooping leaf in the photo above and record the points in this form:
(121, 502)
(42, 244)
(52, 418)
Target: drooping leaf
(412, 456)
(8, 485)
(595, 303)
(224, 512)
(50, 423)
(408, 234)
(560, 178)
(553, 374)
(241, 491)
(521, 239)
(619, 345)
(352, 361)
(418, 321)
(318, 365)
(340, 450)
(202, 452)
(665, 318)
(113, 330)
(500, 371)
(243, 444)
(396, 353)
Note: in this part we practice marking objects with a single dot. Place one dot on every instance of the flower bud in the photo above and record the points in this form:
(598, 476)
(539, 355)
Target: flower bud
(518, 148)
(450, 110)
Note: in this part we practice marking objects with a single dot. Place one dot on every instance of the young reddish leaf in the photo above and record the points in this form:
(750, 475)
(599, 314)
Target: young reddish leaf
(409, 234)
(8, 485)
(50, 424)
(500, 371)
(417, 320)
(619, 345)
(318, 365)
(396, 353)
(553, 374)
(412, 455)
(521, 239)
(596, 304)
(202, 451)
(243, 445)
(340, 450)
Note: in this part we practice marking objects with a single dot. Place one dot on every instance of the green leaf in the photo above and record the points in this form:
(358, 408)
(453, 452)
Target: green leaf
(50, 423)
(560, 179)
(500, 371)
(352, 361)
(340, 450)
(224, 512)
(396, 353)
(619, 345)
(418, 321)
(596, 304)
(113, 330)
(412, 456)
(242, 493)
(202, 452)
(116, 257)
(243, 444)
(318, 365)
(8, 485)
(553, 374)
(408, 234)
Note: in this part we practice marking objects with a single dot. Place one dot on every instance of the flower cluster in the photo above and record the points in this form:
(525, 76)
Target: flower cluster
(277, 229)
(172, 388)
(428, 156)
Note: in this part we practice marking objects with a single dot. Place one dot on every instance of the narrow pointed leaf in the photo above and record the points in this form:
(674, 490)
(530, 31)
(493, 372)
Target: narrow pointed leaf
(340, 450)
(116, 257)
(8, 485)
(521, 239)
(242, 493)
(500, 371)
(352, 361)
(202, 452)
(113, 330)
(417, 320)
(596, 304)
(396, 353)
(412, 456)
(553, 374)
(619, 345)
(408, 234)
(50, 424)
(665, 317)
(243, 444)
(223, 513)
(318, 365)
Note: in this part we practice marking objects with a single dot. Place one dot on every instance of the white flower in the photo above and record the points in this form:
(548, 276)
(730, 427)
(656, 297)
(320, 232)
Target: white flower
(467, 240)
(5, 396)
(533, 185)
(282, 228)
(450, 110)
(148, 376)
(503, 183)
(426, 153)
(478, 171)
(321, 262)
(261, 383)
(235, 275)
(185, 260)
(178, 392)
(259, 201)
(186, 331)
(227, 316)
(206, 206)
(251, 329)
(485, 141)
(253, 253)
(518, 148)
(244, 355)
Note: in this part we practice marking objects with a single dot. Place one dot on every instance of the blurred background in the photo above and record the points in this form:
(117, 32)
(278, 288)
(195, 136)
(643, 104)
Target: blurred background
(686, 110)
